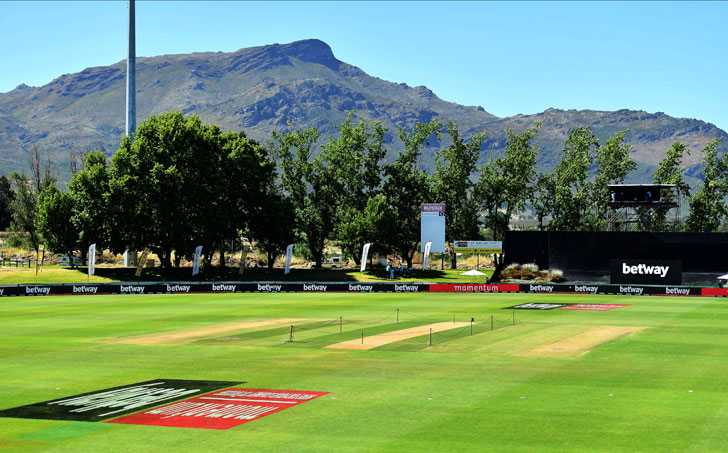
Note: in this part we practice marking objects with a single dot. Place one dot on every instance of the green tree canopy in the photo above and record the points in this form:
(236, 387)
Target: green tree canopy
(89, 192)
(452, 184)
(406, 187)
(708, 211)
(53, 220)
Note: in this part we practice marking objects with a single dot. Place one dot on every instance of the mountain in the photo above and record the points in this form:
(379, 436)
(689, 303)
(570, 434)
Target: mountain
(262, 89)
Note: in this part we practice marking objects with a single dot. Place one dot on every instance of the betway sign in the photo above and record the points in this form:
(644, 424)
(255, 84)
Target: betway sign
(647, 272)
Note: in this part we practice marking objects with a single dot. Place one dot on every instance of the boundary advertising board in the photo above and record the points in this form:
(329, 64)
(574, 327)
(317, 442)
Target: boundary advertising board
(358, 287)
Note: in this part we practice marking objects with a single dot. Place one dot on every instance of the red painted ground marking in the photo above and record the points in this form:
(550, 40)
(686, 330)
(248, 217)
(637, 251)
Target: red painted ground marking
(594, 307)
(223, 409)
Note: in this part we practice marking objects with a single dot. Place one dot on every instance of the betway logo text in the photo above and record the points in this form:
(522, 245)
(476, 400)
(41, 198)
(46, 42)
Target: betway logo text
(585, 289)
(130, 289)
(645, 270)
(85, 289)
(405, 288)
(314, 287)
(631, 290)
(270, 288)
(178, 288)
(361, 288)
(541, 288)
(678, 291)
(37, 290)
(223, 287)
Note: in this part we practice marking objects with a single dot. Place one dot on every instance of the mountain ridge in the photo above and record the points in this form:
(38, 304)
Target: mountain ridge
(264, 88)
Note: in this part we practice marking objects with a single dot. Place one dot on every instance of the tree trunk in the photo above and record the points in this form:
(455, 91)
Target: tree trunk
(409, 257)
(177, 259)
(271, 260)
(222, 258)
(165, 258)
(454, 261)
(318, 256)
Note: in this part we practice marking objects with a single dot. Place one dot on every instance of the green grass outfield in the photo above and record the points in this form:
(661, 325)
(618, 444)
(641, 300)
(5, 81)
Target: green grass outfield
(57, 274)
(464, 393)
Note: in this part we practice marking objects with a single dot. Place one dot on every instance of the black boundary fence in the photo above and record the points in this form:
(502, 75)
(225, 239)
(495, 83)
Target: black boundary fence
(322, 287)
(593, 251)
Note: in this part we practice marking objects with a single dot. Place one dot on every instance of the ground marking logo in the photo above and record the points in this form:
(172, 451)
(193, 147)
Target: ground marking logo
(593, 307)
(220, 410)
(537, 306)
(103, 404)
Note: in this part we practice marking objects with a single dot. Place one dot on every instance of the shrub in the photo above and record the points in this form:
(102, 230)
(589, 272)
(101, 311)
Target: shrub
(556, 275)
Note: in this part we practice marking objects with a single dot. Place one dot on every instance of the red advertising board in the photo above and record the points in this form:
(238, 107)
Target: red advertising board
(472, 288)
(714, 291)
(223, 409)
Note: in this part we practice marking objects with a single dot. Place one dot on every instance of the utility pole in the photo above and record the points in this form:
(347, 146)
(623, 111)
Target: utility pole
(131, 75)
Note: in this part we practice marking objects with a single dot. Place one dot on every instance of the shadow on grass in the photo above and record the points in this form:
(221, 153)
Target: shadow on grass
(262, 274)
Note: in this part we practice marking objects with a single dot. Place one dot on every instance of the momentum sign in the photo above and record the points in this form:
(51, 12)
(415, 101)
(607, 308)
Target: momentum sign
(478, 247)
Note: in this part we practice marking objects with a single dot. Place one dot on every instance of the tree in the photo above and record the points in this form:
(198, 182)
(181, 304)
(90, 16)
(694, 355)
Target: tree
(507, 183)
(668, 172)
(571, 188)
(372, 224)
(6, 199)
(452, 185)
(354, 160)
(577, 192)
(542, 197)
(150, 203)
(53, 221)
(273, 226)
(89, 190)
(181, 183)
(26, 191)
(406, 186)
(245, 180)
(613, 165)
(309, 184)
(707, 206)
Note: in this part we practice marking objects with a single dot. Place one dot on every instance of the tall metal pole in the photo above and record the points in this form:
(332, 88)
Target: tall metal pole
(131, 75)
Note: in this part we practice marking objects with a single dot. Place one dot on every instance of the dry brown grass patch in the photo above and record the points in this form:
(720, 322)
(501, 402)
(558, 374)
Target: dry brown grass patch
(189, 335)
(375, 341)
(582, 343)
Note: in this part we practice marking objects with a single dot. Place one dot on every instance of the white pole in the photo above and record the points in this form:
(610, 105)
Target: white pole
(131, 75)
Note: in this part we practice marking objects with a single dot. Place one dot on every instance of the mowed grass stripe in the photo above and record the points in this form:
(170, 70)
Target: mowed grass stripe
(461, 395)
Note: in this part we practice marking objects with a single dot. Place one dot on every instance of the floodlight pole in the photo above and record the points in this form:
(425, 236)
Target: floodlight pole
(131, 75)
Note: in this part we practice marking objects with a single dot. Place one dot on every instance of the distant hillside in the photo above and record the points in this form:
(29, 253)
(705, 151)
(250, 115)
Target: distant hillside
(262, 89)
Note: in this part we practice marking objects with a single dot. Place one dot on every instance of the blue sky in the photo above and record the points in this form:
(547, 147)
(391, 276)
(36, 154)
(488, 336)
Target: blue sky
(509, 57)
